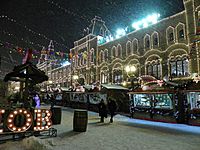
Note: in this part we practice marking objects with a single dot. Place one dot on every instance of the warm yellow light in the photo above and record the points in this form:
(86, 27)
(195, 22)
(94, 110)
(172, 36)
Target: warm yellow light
(127, 69)
(130, 69)
(75, 77)
(124, 83)
(50, 82)
(133, 68)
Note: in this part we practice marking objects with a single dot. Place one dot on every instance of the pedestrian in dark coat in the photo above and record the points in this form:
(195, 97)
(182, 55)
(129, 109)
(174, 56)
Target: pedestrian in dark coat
(102, 110)
(112, 107)
(52, 100)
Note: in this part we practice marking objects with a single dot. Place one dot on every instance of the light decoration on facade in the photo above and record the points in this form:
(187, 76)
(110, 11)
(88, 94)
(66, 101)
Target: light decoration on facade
(151, 19)
(144, 23)
(120, 32)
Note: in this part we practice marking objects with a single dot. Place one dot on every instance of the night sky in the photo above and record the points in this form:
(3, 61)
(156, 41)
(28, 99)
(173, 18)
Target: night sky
(63, 21)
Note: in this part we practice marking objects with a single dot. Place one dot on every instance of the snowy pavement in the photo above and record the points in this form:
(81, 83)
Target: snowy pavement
(124, 134)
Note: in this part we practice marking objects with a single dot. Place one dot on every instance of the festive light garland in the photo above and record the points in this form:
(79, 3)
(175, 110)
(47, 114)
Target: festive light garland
(67, 10)
(22, 51)
(30, 30)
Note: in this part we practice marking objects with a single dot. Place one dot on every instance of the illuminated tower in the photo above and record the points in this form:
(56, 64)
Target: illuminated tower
(98, 27)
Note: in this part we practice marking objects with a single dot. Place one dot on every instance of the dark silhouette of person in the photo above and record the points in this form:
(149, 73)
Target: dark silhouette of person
(112, 107)
(102, 110)
(52, 100)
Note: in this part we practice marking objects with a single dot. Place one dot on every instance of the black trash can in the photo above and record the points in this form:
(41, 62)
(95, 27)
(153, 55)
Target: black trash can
(80, 120)
(56, 115)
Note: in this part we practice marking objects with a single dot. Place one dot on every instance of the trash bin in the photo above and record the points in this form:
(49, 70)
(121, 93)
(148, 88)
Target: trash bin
(56, 115)
(80, 120)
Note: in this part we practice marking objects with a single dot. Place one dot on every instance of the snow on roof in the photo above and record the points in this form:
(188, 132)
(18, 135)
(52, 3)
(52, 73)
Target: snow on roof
(113, 86)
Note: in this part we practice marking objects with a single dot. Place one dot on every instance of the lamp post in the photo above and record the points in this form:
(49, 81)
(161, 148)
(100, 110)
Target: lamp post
(130, 70)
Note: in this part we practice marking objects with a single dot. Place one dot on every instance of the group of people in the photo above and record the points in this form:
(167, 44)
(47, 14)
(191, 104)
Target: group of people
(103, 109)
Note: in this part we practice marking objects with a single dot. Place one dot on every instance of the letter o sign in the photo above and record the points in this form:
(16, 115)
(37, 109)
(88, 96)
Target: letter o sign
(10, 120)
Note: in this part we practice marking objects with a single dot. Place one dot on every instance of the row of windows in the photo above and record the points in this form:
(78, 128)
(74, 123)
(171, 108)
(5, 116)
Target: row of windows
(132, 47)
(177, 68)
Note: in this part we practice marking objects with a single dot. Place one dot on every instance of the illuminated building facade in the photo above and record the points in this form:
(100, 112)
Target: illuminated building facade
(169, 47)
(57, 75)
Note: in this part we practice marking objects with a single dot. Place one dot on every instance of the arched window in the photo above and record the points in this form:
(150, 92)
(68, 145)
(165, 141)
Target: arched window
(119, 51)
(135, 46)
(154, 69)
(179, 67)
(147, 42)
(106, 55)
(180, 31)
(102, 56)
(128, 48)
(114, 51)
(170, 35)
(104, 76)
(92, 55)
(155, 40)
(79, 59)
(181, 34)
(117, 76)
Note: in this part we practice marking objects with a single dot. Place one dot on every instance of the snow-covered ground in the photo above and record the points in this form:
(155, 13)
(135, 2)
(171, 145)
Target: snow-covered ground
(124, 134)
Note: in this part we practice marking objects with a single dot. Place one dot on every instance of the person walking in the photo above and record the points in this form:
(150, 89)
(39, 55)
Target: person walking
(112, 107)
(52, 100)
(102, 110)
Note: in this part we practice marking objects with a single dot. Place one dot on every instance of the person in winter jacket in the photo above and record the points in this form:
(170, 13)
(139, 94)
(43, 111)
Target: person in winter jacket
(102, 110)
(112, 107)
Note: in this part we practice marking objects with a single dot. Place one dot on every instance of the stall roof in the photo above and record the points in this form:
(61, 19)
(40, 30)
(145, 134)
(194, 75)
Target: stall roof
(114, 87)
(26, 71)
(150, 92)
(88, 87)
(65, 89)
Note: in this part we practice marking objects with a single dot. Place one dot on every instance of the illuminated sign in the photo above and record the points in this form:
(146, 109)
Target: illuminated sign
(41, 120)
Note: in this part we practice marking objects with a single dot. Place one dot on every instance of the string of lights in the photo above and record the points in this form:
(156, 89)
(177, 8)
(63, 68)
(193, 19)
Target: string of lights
(70, 12)
(30, 30)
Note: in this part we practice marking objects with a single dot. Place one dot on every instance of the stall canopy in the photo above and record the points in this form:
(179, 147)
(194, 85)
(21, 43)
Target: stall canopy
(26, 71)
(113, 87)
(65, 89)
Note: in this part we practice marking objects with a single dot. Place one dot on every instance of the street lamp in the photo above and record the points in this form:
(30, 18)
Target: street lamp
(130, 70)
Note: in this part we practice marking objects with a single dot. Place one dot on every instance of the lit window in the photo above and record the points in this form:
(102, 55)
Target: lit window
(179, 67)
(171, 37)
(155, 42)
(154, 70)
(181, 34)
(117, 76)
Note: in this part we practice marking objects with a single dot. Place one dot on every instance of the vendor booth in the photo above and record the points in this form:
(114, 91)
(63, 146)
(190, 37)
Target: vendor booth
(154, 100)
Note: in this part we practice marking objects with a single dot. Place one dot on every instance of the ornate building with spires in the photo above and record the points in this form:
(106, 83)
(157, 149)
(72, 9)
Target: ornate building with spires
(168, 48)
(57, 75)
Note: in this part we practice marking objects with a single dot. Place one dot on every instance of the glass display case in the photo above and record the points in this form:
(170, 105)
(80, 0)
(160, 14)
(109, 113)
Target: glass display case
(194, 100)
(155, 100)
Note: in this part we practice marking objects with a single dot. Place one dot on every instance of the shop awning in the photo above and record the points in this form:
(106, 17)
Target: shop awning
(65, 89)
(113, 87)
(88, 87)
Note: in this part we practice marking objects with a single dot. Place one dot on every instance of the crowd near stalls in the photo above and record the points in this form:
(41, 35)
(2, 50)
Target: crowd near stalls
(166, 101)
(89, 96)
